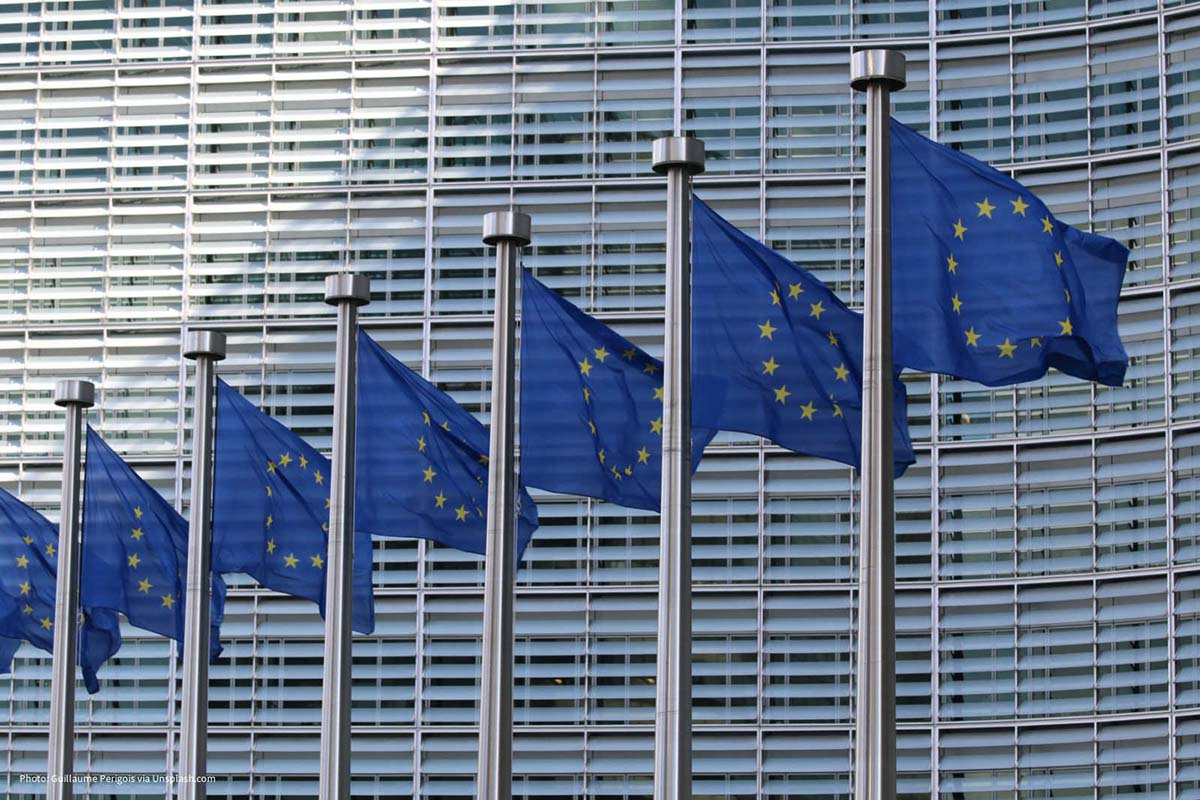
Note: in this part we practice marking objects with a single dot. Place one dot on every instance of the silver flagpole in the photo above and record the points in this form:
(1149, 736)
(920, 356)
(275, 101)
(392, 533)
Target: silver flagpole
(679, 157)
(74, 396)
(878, 73)
(509, 231)
(206, 348)
(347, 292)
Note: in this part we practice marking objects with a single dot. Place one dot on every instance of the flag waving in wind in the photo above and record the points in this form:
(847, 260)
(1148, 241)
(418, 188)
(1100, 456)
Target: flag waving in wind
(775, 352)
(28, 571)
(986, 284)
(591, 406)
(133, 561)
(421, 467)
(271, 508)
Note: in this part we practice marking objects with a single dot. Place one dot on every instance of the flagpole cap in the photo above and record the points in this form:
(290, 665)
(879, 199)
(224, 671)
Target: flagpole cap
(506, 226)
(204, 344)
(883, 66)
(75, 393)
(678, 151)
(347, 288)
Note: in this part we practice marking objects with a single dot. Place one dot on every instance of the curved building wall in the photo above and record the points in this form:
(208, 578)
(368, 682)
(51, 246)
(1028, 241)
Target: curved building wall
(166, 162)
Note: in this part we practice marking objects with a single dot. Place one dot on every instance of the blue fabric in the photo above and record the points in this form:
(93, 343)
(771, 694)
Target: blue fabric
(986, 284)
(775, 353)
(271, 509)
(28, 569)
(421, 467)
(8, 649)
(591, 406)
(133, 561)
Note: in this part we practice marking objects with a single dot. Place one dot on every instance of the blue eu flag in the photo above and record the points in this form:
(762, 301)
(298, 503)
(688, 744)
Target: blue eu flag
(271, 508)
(28, 566)
(133, 561)
(421, 467)
(775, 353)
(986, 284)
(591, 406)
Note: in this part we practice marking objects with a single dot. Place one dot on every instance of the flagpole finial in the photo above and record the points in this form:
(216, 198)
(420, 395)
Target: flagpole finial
(347, 287)
(75, 393)
(678, 151)
(204, 344)
(506, 226)
(868, 66)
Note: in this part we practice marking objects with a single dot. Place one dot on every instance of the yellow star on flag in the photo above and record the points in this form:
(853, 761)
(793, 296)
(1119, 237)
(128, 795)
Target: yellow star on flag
(957, 304)
(421, 445)
(136, 534)
(795, 290)
(774, 297)
(1035, 342)
(769, 367)
(985, 208)
(658, 393)
(318, 477)
(1058, 259)
(972, 337)
(601, 353)
(317, 561)
(25, 587)
(439, 499)
(1067, 328)
(629, 354)
(28, 609)
(959, 229)
(592, 427)
(285, 459)
(817, 309)
(137, 512)
(290, 560)
(587, 395)
(951, 264)
(168, 601)
(782, 394)
(134, 560)
(643, 455)
(144, 586)
(460, 513)
(429, 474)
(842, 372)
(270, 466)
(22, 562)
(656, 426)
(807, 411)
(650, 368)
(766, 330)
(27, 539)
(46, 623)
(270, 520)
(50, 550)
(1019, 206)
(585, 366)
(1047, 225)
(270, 546)
(303, 462)
(833, 340)
(600, 455)
(1007, 349)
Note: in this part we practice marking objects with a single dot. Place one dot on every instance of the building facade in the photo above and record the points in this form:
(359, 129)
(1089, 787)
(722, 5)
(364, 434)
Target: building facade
(167, 163)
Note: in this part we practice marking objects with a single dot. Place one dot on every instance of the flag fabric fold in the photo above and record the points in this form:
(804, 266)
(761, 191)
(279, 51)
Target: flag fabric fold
(775, 353)
(591, 406)
(421, 468)
(28, 574)
(986, 284)
(271, 509)
(133, 561)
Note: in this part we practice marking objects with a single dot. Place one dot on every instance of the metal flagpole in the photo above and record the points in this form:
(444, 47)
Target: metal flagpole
(878, 73)
(679, 157)
(206, 348)
(74, 396)
(347, 292)
(509, 231)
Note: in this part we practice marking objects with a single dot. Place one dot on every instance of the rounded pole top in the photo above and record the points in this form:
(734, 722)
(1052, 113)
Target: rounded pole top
(345, 287)
(883, 66)
(75, 393)
(678, 151)
(506, 226)
(204, 344)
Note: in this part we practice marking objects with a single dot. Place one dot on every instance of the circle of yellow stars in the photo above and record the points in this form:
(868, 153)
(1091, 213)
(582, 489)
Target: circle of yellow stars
(460, 512)
(984, 210)
(25, 594)
(132, 561)
(649, 367)
(766, 330)
(284, 462)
